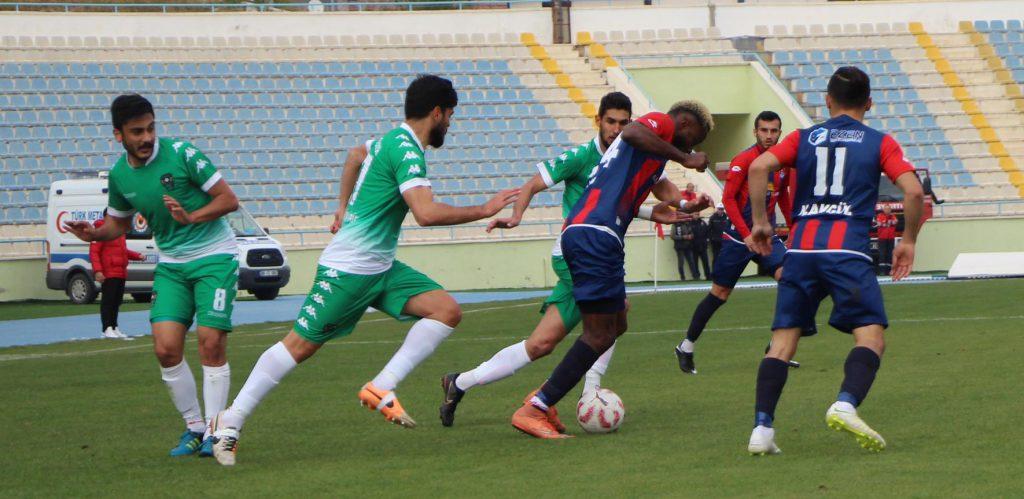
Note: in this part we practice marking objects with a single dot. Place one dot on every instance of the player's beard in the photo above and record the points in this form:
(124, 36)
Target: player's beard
(134, 151)
(437, 135)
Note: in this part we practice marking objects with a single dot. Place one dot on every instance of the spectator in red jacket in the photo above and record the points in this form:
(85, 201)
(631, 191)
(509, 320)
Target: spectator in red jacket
(690, 193)
(886, 223)
(110, 268)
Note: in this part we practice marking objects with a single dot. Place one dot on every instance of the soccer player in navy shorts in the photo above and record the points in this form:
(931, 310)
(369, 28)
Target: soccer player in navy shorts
(836, 167)
(594, 235)
(736, 250)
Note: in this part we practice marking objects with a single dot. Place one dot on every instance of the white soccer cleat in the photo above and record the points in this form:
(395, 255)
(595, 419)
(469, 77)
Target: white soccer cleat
(762, 442)
(225, 442)
(842, 416)
(114, 334)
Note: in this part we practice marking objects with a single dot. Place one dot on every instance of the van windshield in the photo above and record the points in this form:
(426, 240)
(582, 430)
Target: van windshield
(243, 224)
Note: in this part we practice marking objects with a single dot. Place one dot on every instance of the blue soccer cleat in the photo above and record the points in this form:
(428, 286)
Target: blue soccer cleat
(206, 449)
(189, 444)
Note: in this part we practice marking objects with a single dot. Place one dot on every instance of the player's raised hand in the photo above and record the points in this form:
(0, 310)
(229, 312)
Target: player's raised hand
(82, 230)
(697, 161)
(902, 260)
(664, 213)
(501, 200)
(177, 212)
(761, 237)
(503, 223)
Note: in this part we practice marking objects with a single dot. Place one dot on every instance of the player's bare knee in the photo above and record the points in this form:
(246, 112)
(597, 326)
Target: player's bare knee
(539, 347)
(720, 292)
(450, 314)
(167, 355)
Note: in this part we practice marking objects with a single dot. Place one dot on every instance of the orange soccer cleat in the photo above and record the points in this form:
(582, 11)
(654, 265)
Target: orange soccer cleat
(386, 403)
(535, 422)
(552, 413)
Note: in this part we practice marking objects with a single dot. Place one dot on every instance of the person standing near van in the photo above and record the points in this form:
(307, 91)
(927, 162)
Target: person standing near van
(110, 269)
(183, 197)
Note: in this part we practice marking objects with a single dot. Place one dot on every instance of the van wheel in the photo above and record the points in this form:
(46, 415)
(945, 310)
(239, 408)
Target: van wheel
(80, 289)
(266, 294)
(142, 297)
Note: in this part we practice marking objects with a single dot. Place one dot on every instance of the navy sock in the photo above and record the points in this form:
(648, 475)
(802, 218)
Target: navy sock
(568, 373)
(702, 315)
(771, 377)
(861, 366)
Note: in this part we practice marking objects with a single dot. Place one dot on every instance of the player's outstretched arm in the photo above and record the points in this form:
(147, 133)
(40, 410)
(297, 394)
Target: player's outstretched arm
(913, 206)
(757, 182)
(526, 193)
(349, 177)
(429, 213)
(224, 201)
(644, 139)
(112, 228)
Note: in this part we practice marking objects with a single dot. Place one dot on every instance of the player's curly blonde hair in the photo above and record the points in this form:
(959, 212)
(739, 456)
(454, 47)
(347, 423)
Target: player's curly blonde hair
(697, 109)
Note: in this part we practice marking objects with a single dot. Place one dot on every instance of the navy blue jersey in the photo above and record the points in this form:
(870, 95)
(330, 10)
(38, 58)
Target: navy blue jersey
(622, 181)
(837, 166)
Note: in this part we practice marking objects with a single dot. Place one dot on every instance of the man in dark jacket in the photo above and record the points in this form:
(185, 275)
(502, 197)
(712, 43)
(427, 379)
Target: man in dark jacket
(682, 237)
(718, 222)
(110, 269)
(700, 246)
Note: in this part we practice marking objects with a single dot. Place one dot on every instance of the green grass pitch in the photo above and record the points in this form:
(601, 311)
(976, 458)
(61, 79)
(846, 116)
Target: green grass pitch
(93, 418)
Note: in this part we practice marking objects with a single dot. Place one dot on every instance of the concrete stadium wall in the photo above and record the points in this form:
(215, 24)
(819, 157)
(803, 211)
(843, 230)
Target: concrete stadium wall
(526, 264)
(464, 266)
(733, 20)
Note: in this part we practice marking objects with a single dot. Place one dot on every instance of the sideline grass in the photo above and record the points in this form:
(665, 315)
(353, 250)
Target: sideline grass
(946, 399)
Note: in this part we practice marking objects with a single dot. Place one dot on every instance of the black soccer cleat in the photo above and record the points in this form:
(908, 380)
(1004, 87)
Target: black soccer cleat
(452, 396)
(686, 362)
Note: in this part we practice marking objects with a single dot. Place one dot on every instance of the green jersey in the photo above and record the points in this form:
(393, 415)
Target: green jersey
(368, 238)
(573, 168)
(182, 171)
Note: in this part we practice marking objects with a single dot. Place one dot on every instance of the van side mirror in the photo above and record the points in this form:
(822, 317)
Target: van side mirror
(267, 230)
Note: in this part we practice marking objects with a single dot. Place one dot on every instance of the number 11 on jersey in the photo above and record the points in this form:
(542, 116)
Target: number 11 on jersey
(821, 175)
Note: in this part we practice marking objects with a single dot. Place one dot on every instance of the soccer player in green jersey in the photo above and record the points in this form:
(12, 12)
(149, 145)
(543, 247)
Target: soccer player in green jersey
(382, 181)
(183, 198)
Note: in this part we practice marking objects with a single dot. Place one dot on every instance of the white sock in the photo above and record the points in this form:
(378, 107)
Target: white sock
(592, 381)
(182, 386)
(687, 346)
(423, 338)
(504, 364)
(216, 386)
(270, 369)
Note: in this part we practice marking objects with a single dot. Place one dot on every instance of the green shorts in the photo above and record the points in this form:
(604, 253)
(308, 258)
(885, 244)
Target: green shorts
(339, 299)
(203, 288)
(561, 296)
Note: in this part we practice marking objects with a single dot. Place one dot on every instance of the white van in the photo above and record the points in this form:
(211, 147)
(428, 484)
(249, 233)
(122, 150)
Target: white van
(263, 265)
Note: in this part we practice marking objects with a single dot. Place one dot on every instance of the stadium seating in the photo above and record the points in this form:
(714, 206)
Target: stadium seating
(280, 129)
(913, 100)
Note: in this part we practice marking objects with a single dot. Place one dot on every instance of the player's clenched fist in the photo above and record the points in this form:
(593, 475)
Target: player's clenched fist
(697, 161)
(761, 237)
(501, 200)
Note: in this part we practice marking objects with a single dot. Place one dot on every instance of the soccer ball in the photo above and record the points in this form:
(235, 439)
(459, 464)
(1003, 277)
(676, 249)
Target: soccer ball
(600, 411)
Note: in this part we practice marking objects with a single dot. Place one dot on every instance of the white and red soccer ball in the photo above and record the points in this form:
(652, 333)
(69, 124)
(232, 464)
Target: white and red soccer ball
(600, 411)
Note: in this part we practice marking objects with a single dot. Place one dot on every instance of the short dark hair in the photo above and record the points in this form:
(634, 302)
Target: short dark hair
(849, 87)
(767, 116)
(427, 92)
(615, 100)
(127, 107)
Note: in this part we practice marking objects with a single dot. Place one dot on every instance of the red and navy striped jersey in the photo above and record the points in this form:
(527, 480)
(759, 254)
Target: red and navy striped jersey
(837, 166)
(736, 195)
(621, 181)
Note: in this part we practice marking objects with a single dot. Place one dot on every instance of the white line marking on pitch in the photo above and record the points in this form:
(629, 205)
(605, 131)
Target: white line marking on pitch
(13, 357)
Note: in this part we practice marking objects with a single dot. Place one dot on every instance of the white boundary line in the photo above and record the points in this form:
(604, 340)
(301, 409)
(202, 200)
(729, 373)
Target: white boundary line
(459, 339)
